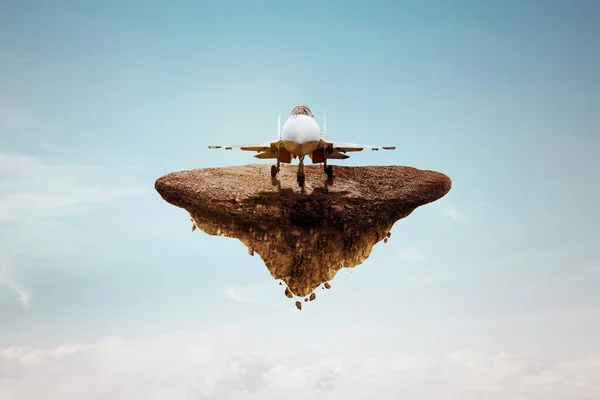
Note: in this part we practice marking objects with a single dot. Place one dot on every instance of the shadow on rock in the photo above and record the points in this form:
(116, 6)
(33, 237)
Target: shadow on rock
(303, 237)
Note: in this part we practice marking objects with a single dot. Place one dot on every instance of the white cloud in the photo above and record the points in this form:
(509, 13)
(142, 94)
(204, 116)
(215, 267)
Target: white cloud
(454, 214)
(35, 196)
(411, 254)
(33, 189)
(8, 280)
(184, 366)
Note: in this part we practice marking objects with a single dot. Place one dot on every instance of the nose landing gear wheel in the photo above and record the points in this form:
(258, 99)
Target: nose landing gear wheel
(329, 172)
(274, 171)
(301, 177)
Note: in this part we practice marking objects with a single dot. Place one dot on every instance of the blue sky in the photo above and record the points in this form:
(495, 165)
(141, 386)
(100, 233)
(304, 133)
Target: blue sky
(99, 100)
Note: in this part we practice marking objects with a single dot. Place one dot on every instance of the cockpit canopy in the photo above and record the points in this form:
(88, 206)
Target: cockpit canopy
(302, 110)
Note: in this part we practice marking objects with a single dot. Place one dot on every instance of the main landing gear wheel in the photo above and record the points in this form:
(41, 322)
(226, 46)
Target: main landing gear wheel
(329, 172)
(301, 179)
(274, 171)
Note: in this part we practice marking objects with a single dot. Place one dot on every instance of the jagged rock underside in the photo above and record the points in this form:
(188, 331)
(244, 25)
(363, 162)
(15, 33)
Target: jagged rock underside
(303, 236)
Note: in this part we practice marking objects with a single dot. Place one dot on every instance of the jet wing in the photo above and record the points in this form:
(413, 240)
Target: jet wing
(266, 146)
(343, 147)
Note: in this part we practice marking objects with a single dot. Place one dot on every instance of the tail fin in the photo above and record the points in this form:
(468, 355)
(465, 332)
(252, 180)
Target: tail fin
(279, 126)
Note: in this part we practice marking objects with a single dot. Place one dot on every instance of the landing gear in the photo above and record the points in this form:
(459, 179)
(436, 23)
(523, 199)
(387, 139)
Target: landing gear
(301, 176)
(275, 170)
(327, 168)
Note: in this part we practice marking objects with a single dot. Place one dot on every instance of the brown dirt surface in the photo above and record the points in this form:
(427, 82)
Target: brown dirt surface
(304, 236)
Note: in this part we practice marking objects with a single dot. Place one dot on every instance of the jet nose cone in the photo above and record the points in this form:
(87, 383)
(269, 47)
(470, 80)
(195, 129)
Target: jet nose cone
(301, 135)
(301, 148)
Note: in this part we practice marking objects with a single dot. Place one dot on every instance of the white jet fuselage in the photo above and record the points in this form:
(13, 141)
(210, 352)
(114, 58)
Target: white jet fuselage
(300, 135)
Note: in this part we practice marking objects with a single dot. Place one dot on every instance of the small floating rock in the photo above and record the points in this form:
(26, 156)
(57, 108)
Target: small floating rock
(299, 305)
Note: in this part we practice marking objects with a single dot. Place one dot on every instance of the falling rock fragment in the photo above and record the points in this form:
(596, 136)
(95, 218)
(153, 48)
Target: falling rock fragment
(347, 216)
(327, 285)
(299, 305)
(313, 296)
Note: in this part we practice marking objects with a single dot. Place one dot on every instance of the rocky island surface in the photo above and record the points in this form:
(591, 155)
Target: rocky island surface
(303, 235)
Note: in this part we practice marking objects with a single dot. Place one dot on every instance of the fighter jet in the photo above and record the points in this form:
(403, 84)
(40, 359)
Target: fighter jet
(301, 137)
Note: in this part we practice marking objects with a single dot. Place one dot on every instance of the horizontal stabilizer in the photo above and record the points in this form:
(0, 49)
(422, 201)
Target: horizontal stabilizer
(265, 155)
(336, 155)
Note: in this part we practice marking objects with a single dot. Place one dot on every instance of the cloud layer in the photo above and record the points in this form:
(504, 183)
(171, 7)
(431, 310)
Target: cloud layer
(182, 366)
